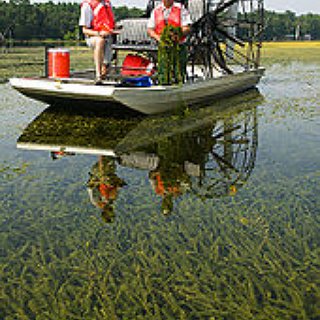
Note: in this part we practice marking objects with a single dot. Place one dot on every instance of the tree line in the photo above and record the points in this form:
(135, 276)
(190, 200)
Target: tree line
(42, 21)
(288, 25)
(56, 21)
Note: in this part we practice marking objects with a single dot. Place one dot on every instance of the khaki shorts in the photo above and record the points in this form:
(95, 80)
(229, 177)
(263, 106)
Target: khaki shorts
(107, 51)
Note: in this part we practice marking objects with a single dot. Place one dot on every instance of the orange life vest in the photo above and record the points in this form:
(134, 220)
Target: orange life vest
(174, 18)
(103, 18)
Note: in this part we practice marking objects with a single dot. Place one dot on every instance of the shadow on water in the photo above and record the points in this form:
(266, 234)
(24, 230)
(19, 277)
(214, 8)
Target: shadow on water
(209, 152)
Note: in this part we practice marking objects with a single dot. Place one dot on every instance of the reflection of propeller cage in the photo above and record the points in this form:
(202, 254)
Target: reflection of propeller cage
(232, 157)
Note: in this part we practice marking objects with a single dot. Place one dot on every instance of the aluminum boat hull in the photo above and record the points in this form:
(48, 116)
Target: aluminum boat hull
(147, 100)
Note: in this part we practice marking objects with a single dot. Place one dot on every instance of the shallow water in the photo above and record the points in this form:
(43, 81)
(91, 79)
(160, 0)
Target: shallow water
(209, 214)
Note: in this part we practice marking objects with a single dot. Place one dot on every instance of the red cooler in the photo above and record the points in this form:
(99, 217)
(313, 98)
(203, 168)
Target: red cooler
(58, 63)
(135, 65)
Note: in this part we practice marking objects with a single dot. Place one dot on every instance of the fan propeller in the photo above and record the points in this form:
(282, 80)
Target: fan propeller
(213, 33)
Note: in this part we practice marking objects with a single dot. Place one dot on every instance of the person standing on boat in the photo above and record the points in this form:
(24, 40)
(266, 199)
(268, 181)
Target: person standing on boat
(98, 23)
(169, 23)
(169, 12)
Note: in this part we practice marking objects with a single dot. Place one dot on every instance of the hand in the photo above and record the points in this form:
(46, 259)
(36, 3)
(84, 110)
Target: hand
(174, 37)
(118, 31)
(104, 33)
(158, 38)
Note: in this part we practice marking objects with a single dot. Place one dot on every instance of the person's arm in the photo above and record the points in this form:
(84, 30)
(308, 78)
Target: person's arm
(91, 33)
(153, 34)
(151, 28)
(185, 30)
(185, 21)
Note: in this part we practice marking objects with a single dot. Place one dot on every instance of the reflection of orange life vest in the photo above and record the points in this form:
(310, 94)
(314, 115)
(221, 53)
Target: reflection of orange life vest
(161, 189)
(174, 18)
(103, 18)
(106, 190)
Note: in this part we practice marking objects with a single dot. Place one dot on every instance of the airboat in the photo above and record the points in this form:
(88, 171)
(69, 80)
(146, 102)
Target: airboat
(223, 59)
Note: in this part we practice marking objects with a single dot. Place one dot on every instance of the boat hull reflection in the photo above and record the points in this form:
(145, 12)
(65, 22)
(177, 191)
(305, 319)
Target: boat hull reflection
(209, 152)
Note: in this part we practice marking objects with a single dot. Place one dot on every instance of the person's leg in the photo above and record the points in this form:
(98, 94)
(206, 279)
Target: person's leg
(98, 55)
(98, 46)
(104, 70)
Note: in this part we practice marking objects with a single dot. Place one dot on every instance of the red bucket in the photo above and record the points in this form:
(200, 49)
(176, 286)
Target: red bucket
(59, 63)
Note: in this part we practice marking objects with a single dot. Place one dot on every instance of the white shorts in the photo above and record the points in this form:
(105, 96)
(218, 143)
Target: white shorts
(107, 49)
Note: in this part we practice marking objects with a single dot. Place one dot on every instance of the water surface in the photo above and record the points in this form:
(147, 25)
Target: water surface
(206, 214)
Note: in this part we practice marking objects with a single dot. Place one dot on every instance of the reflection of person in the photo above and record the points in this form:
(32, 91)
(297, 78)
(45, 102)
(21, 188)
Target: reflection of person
(97, 22)
(171, 13)
(55, 155)
(169, 183)
(103, 187)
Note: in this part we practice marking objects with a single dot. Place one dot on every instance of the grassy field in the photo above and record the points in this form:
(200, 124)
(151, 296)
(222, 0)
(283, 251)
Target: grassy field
(29, 61)
(273, 52)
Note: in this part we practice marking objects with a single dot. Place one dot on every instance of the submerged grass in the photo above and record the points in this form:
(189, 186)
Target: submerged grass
(253, 255)
(252, 258)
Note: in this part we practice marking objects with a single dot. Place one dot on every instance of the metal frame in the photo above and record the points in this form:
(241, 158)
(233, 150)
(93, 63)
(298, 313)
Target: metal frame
(220, 39)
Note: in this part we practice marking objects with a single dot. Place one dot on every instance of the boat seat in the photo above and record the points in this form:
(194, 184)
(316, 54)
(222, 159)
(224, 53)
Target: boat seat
(135, 47)
(134, 34)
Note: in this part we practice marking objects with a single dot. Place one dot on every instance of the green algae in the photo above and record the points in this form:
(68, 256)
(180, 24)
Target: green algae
(8, 172)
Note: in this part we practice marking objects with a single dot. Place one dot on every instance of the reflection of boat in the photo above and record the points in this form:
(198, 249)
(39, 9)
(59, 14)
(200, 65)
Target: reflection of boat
(61, 130)
(216, 67)
(210, 151)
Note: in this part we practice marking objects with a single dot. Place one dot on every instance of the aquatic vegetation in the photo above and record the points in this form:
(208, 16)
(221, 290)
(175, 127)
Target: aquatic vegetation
(286, 52)
(196, 264)
(10, 172)
(171, 56)
(250, 254)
